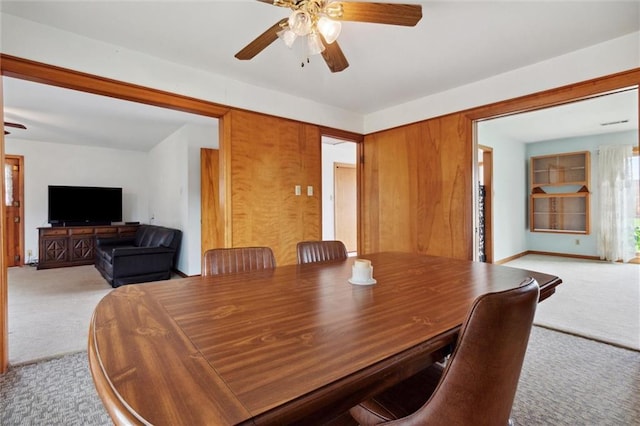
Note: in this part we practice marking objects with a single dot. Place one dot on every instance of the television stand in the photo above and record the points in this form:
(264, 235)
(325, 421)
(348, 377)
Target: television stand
(69, 224)
(63, 246)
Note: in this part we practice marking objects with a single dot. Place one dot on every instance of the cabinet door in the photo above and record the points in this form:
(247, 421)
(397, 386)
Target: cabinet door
(55, 249)
(82, 248)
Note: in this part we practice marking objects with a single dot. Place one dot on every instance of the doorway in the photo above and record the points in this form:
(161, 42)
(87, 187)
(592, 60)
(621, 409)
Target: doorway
(14, 211)
(28, 189)
(339, 194)
(576, 125)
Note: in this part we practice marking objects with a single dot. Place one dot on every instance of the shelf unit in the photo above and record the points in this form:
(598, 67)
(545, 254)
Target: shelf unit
(566, 208)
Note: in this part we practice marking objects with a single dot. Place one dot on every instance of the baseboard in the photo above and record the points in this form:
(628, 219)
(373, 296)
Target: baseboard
(545, 253)
(575, 256)
(510, 258)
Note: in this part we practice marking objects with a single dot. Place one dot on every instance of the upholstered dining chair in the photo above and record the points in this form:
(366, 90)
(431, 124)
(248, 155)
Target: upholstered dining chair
(238, 259)
(478, 384)
(321, 251)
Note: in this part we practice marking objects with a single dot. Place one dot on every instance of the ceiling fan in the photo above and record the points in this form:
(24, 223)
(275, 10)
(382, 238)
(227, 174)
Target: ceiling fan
(16, 125)
(319, 21)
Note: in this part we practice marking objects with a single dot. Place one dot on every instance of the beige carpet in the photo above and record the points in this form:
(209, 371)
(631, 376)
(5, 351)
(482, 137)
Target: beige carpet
(50, 310)
(598, 300)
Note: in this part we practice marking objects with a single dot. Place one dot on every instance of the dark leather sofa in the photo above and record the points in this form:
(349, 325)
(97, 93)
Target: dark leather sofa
(149, 256)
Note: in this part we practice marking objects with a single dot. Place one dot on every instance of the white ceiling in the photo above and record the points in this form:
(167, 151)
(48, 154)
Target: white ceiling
(455, 43)
(57, 115)
(614, 112)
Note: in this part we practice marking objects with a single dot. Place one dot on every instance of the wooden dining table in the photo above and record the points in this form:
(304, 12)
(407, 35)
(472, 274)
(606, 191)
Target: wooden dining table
(295, 344)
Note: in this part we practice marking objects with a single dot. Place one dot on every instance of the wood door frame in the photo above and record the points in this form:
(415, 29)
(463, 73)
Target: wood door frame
(20, 159)
(4, 299)
(15, 67)
(549, 98)
(487, 179)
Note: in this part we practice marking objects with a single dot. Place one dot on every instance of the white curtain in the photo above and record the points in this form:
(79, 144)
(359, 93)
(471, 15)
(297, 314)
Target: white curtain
(617, 202)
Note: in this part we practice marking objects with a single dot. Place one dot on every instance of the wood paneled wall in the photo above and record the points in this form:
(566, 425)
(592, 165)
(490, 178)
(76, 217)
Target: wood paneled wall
(416, 188)
(265, 157)
(212, 226)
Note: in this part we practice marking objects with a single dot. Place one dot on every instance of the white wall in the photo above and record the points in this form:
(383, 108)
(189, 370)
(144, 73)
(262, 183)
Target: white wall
(57, 164)
(509, 194)
(174, 188)
(602, 59)
(160, 187)
(564, 243)
(33, 41)
(344, 152)
(29, 40)
(511, 234)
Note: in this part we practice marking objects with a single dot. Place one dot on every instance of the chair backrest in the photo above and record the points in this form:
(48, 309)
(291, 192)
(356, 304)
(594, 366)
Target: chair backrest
(479, 384)
(239, 259)
(320, 251)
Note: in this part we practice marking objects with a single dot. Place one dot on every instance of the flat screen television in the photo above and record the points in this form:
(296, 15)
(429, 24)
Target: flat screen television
(84, 205)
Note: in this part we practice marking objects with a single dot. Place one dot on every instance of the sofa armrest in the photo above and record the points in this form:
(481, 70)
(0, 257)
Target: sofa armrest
(107, 242)
(135, 261)
(137, 251)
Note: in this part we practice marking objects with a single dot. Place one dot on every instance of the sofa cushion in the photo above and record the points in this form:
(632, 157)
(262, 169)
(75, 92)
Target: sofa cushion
(154, 236)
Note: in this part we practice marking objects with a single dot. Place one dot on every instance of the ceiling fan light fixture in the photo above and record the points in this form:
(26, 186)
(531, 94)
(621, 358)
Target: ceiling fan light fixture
(329, 29)
(320, 21)
(334, 10)
(288, 37)
(314, 44)
(300, 22)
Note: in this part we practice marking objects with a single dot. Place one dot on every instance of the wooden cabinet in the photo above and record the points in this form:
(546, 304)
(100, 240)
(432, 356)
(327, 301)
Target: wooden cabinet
(74, 245)
(559, 200)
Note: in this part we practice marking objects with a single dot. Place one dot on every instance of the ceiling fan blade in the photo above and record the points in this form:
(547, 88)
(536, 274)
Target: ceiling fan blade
(333, 56)
(7, 133)
(382, 13)
(261, 42)
(16, 125)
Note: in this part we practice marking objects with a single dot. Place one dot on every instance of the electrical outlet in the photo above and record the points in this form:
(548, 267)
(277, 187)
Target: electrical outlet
(29, 253)
(577, 242)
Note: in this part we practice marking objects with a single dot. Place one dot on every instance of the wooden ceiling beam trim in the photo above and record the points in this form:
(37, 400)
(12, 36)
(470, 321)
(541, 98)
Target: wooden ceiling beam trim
(557, 96)
(38, 72)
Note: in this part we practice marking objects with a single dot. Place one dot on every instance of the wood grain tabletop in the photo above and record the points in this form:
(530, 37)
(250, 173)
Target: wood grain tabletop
(296, 344)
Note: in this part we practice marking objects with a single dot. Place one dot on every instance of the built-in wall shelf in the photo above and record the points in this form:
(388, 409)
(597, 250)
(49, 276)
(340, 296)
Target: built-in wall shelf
(559, 200)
